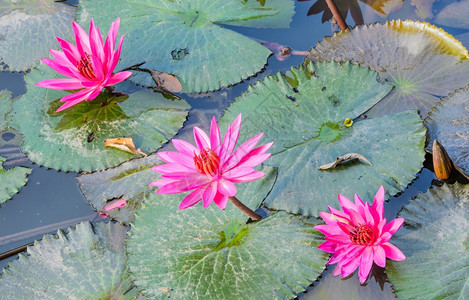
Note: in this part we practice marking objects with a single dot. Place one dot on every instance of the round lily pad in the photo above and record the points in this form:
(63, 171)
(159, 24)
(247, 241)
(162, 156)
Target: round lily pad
(455, 14)
(73, 139)
(308, 113)
(435, 241)
(85, 263)
(212, 253)
(129, 181)
(448, 123)
(11, 180)
(5, 107)
(422, 61)
(28, 30)
(183, 38)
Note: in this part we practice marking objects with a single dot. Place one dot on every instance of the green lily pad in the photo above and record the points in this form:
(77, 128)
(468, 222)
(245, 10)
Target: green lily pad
(28, 30)
(183, 38)
(129, 181)
(5, 107)
(85, 263)
(73, 140)
(455, 14)
(448, 124)
(212, 253)
(422, 61)
(435, 240)
(304, 111)
(11, 180)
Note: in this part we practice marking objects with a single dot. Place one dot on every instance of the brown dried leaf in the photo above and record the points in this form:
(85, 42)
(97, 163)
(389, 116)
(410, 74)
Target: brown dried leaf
(442, 164)
(125, 144)
(166, 81)
(343, 158)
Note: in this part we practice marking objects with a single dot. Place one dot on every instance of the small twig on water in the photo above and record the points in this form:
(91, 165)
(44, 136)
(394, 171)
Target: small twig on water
(337, 15)
(253, 215)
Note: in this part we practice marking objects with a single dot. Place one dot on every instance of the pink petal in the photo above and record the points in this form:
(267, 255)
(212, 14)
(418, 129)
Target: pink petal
(351, 266)
(356, 218)
(96, 41)
(82, 40)
(117, 77)
(226, 187)
(243, 175)
(191, 199)
(392, 252)
(201, 139)
(327, 247)
(250, 161)
(61, 84)
(209, 194)
(70, 51)
(161, 182)
(242, 151)
(183, 185)
(220, 200)
(111, 39)
(184, 147)
(177, 158)
(172, 168)
(215, 139)
(366, 262)
(230, 140)
(115, 58)
(58, 67)
(115, 204)
(379, 256)
(393, 226)
(328, 229)
(378, 204)
(97, 68)
(345, 203)
(74, 99)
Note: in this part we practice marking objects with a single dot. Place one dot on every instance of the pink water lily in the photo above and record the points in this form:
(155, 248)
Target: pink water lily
(89, 64)
(359, 236)
(211, 167)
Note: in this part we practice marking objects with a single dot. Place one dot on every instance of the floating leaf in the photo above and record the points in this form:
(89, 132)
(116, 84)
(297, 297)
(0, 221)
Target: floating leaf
(124, 144)
(212, 253)
(11, 180)
(85, 263)
(343, 158)
(449, 124)
(28, 30)
(455, 14)
(183, 38)
(129, 181)
(434, 239)
(5, 107)
(303, 112)
(422, 61)
(62, 140)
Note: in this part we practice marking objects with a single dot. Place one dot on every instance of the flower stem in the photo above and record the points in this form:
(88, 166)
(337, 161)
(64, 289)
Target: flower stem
(336, 14)
(253, 215)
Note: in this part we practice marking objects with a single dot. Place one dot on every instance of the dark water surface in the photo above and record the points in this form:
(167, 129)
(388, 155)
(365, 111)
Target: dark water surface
(52, 200)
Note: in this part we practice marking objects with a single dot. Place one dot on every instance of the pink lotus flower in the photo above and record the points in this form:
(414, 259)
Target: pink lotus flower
(359, 236)
(89, 64)
(211, 168)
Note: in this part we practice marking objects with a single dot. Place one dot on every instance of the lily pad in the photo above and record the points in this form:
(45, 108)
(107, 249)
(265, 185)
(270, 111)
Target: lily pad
(85, 263)
(422, 61)
(448, 123)
(183, 38)
(11, 180)
(129, 181)
(455, 14)
(304, 112)
(28, 30)
(73, 140)
(212, 253)
(5, 107)
(435, 240)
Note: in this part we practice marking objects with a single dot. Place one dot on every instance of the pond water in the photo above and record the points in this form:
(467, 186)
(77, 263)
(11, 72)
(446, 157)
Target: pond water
(52, 200)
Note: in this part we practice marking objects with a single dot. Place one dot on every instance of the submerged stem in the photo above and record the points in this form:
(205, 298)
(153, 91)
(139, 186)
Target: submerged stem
(253, 215)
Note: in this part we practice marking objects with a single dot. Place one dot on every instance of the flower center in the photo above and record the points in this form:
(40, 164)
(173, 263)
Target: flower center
(85, 67)
(362, 235)
(207, 162)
